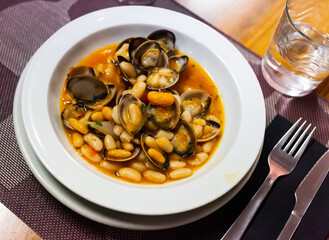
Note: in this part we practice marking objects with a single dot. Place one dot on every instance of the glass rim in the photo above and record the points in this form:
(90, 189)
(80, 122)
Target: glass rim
(298, 30)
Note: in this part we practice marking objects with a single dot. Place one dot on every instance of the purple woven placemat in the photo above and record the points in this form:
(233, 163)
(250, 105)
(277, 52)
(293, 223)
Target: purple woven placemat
(24, 26)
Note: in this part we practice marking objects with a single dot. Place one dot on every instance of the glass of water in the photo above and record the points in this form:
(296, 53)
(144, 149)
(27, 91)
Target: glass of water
(297, 58)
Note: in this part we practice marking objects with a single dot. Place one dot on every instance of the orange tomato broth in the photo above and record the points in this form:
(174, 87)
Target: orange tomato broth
(192, 77)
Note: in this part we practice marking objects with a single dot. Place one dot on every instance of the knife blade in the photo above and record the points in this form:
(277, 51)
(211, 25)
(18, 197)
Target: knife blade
(305, 194)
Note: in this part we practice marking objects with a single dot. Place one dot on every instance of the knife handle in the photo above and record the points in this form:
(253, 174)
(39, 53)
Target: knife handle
(290, 227)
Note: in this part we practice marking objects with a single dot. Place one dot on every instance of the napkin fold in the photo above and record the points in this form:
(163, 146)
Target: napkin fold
(277, 206)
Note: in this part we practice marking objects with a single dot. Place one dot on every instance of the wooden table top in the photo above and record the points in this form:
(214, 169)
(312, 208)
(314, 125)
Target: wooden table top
(251, 22)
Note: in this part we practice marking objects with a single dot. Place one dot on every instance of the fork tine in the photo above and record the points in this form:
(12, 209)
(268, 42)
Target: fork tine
(292, 150)
(294, 137)
(287, 134)
(304, 145)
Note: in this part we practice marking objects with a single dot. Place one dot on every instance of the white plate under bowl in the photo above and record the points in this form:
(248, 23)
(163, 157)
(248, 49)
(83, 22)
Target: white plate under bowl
(239, 87)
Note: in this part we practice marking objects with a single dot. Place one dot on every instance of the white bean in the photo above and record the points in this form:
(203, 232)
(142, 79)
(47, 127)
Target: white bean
(138, 166)
(165, 144)
(138, 89)
(163, 133)
(206, 147)
(141, 78)
(199, 121)
(77, 139)
(198, 148)
(97, 116)
(115, 115)
(109, 142)
(93, 141)
(186, 115)
(176, 164)
(117, 130)
(119, 153)
(198, 130)
(90, 153)
(112, 166)
(128, 69)
(126, 137)
(130, 174)
(180, 173)
(135, 114)
(127, 146)
(199, 159)
(154, 176)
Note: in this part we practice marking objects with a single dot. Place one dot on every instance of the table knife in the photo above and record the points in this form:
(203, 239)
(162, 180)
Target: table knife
(305, 194)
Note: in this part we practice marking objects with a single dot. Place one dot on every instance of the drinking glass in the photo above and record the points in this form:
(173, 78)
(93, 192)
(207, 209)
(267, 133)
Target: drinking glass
(297, 58)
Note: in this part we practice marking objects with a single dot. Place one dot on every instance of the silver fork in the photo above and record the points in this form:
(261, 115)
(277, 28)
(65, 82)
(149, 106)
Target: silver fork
(281, 161)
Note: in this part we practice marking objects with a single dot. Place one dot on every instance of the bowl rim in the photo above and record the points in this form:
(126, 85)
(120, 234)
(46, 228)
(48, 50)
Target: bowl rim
(252, 125)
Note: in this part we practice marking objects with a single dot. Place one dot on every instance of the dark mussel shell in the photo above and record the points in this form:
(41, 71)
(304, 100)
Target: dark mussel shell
(165, 38)
(184, 140)
(178, 62)
(161, 60)
(81, 70)
(145, 148)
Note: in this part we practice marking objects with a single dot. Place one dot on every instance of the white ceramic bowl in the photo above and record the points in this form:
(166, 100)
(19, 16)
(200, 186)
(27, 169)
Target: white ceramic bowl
(241, 94)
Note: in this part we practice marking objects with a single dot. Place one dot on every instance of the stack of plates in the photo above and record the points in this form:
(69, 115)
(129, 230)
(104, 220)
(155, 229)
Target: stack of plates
(106, 200)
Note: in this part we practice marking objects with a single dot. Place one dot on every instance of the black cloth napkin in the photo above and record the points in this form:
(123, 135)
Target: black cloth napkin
(277, 206)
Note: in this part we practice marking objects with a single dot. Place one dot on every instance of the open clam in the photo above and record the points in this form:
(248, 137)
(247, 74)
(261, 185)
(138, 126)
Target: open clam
(161, 161)
(149, 55)
(196, 101)
(72, 111)
(132, 113)
(81, 70)
(178, 62)
(134, 44)
(165, 38)
(184, 140)
(123, 49)
(90, 91)
(128, 72)
(161, 78)
(113, 159)
(210, 131)
(165, 117)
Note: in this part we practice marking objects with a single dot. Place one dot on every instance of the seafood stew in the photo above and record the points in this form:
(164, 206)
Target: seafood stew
(141, 111)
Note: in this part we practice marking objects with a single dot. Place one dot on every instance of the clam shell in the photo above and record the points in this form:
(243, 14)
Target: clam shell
(145, 148)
